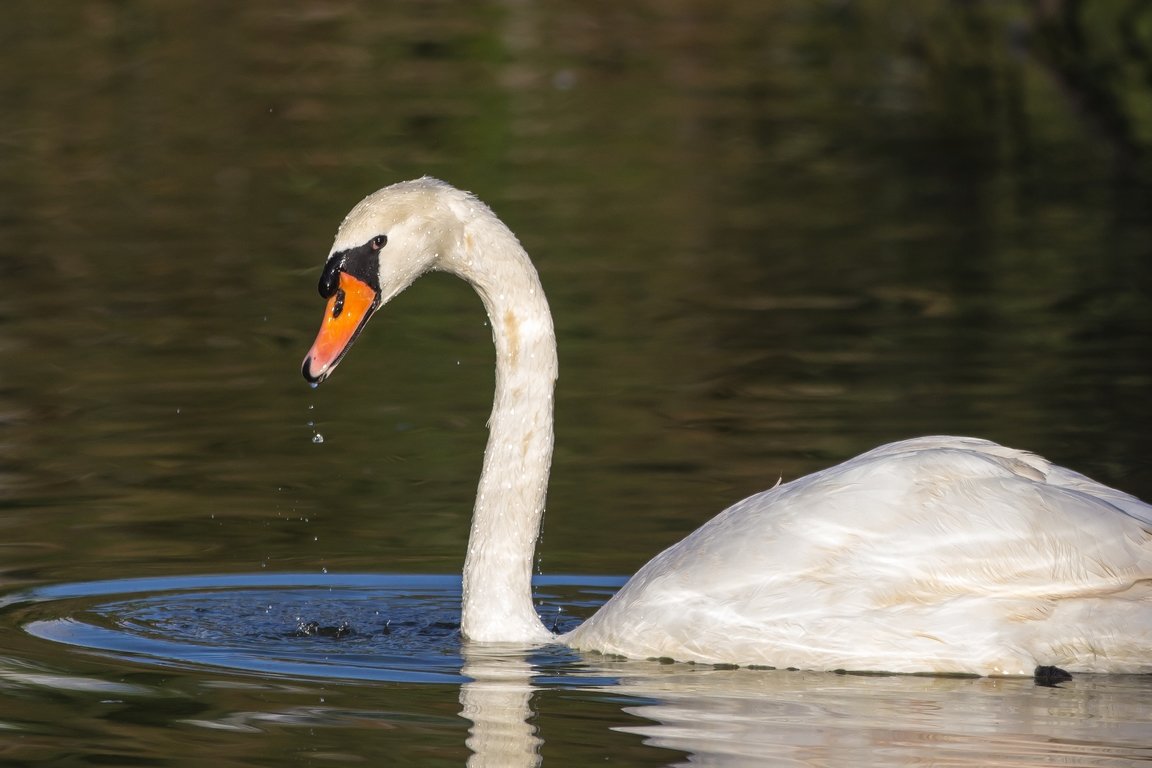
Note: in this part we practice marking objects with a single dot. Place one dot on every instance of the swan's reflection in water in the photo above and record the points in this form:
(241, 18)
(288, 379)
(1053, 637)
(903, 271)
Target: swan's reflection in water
(738, 717)
(498, 701)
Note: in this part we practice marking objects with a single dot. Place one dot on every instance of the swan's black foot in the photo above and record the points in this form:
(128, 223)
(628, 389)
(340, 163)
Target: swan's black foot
(1050, 676)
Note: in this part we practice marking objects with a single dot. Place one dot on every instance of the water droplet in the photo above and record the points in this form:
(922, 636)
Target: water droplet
(317, 438)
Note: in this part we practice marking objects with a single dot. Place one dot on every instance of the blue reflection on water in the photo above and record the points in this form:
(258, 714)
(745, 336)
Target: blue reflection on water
(398, 628)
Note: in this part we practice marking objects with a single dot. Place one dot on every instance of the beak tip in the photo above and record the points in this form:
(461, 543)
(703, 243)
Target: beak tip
(313, 379)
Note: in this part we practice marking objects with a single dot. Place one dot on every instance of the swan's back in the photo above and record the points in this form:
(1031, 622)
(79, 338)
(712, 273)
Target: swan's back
(938, 554)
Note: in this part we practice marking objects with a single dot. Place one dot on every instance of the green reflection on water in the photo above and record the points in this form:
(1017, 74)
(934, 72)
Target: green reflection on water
(772, 238)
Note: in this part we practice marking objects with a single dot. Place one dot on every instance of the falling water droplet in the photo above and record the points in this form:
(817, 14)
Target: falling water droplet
(317, 438)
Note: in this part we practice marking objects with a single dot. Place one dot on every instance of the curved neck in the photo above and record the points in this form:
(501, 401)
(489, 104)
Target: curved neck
(497, 605)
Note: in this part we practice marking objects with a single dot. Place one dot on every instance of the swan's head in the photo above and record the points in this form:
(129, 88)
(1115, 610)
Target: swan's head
(388, 240)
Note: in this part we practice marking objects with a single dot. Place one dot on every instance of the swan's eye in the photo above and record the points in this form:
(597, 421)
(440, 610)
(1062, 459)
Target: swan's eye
(338, 305)
(379, 242)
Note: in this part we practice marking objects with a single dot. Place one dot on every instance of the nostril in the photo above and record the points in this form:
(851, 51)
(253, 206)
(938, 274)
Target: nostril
(338, 305)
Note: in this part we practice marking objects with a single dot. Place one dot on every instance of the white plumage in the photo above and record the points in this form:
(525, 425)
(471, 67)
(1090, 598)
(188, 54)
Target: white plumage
(937, 554)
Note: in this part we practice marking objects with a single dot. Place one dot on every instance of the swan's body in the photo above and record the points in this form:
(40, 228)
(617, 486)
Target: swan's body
(938, 554)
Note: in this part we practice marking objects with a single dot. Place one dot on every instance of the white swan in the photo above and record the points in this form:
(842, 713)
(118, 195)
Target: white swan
(936, 555)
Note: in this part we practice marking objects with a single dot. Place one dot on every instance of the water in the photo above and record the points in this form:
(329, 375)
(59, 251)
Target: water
(772, 235)
(310, 650)
(394, 628)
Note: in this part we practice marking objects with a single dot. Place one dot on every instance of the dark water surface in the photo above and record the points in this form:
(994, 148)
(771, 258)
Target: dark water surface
(773, 235)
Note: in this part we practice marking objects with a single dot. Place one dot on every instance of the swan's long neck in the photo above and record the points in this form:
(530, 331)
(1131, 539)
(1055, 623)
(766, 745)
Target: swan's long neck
(513, 483)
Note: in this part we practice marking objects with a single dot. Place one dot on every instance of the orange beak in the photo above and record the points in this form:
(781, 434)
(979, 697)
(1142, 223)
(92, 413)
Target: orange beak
(347, 313)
